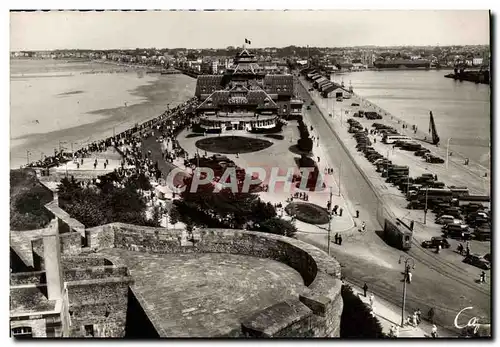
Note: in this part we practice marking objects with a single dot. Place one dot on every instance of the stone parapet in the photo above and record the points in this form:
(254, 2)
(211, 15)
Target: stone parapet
(315, 313)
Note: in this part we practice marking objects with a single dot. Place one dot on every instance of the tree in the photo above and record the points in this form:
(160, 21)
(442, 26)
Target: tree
(279, 226)
(174, 216)
(262, 211)
(305, 144)
(27, 201)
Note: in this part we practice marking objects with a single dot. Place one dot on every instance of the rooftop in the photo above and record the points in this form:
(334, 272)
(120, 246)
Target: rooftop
(205, 294)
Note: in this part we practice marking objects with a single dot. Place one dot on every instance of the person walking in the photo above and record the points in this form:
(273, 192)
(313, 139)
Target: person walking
(372, 299)
(392, 331)
(357, 214)
(482, 277)
(431, 315)
(434, 332)
(415, 319)
(340, 240)
(409, 276)
(340, 212)
(419, 316)
(363, 227)
(337, 238)
(365, 288)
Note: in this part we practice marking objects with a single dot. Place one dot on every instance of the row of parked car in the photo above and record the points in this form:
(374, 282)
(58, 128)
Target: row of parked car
(471, 220)
(482, 262)
(408, 145)
(366, 114)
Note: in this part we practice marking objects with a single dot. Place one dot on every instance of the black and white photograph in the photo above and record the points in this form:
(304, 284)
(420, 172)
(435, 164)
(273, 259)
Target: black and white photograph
(250, 174)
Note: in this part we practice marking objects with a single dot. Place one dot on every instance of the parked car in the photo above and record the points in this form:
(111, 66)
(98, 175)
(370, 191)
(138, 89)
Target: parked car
(478, 261)
(434, 160)
(457, 230)
(340, 99)
(354, 104)
(435, 241)
(445, 219)
(421, 152)
(482, 234)
(308, 107)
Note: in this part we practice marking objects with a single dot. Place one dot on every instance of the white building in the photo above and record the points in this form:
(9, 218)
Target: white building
(477, 61)
(215, 67)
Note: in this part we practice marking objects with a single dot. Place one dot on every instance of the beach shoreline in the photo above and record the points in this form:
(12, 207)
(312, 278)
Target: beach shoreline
(157, 93)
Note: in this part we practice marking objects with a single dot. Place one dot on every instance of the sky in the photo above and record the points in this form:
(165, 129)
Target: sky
(219, 29)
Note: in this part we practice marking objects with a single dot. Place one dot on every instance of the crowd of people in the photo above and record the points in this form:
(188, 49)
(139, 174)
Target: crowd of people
(168, 123)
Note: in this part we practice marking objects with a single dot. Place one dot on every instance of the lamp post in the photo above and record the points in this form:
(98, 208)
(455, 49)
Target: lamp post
(340, 172)
(330, 223)
(425, 208)
(407, 262)
(447, 152)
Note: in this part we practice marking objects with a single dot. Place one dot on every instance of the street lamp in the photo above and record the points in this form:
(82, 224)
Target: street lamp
(407, 262)
(330, 222)
(447, 152)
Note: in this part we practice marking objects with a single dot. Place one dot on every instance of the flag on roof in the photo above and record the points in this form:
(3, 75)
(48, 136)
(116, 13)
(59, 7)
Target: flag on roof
(248, 41)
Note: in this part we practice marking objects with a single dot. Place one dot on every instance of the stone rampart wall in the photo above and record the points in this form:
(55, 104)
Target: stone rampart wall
(100, 303)
(96, 272)
(315, 313)
(72, 262)
(21, 278)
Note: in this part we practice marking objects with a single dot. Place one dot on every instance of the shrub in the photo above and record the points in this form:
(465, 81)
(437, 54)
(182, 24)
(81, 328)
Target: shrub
(27, 201)
(356, 320)
(279, 226)
(307, 212)
(305, 144)
(108, 204)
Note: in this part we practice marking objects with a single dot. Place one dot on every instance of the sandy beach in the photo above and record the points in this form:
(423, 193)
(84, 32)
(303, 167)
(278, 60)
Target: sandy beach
(84, 107)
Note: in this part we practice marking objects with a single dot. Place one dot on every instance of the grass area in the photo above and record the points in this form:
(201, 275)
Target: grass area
(188, 136)
(274, 136)
(27, 199)
(308, 212)
(232, 144)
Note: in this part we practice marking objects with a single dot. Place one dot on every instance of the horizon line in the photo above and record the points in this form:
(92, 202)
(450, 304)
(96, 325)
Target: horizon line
(250, 48)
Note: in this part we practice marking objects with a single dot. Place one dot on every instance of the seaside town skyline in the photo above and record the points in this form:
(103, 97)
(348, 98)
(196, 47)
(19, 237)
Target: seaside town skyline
(220, 28)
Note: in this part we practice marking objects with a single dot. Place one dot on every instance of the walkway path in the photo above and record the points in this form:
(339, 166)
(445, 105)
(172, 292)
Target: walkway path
(389, 315)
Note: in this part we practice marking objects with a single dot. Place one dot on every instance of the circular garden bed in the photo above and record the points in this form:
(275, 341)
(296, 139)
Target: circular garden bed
(232, 144)
(307, 212)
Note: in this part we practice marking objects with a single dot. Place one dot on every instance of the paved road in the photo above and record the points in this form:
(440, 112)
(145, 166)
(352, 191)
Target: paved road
(434, 270)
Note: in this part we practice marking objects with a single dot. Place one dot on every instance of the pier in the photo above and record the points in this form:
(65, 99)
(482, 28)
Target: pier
(482, 77)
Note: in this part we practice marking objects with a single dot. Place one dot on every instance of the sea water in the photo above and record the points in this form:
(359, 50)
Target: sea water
(461, 109)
